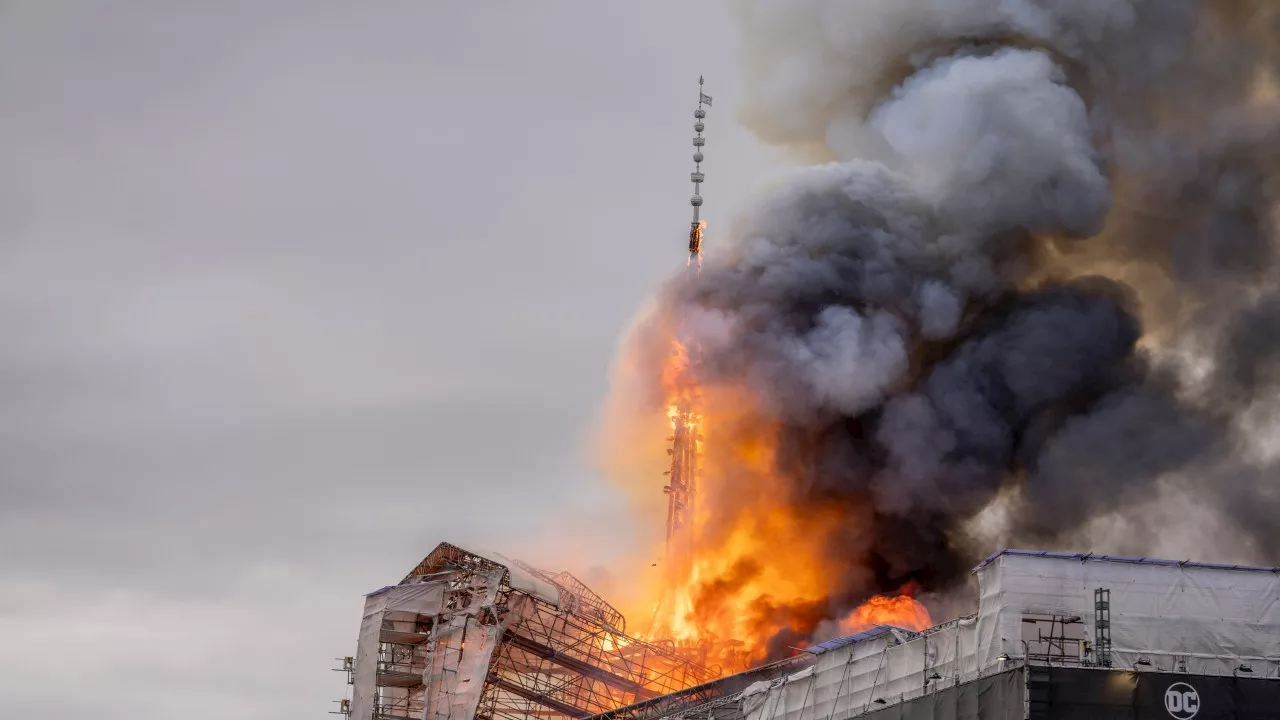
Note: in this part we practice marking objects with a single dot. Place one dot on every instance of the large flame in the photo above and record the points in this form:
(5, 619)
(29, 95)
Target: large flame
(758, 583)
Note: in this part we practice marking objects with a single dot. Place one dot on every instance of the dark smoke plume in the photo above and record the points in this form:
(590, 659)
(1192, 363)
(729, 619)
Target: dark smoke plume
(1034, 267)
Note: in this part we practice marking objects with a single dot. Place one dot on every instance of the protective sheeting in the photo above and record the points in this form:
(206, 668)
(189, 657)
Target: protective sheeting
(418, 659)
(523, 580)
(997, 697)
(1179, 617)
(809, 694)
(877, 669)
(385, 608)
(461, 647)
(457, 667)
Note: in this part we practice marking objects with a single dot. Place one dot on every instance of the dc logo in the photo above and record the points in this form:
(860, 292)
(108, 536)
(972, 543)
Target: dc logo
(1182, 701)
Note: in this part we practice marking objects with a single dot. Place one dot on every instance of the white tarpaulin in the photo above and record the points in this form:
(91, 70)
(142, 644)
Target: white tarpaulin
(418, 658)
(524, 581)
(1189, 617)
(1183, 617)
(388, 605)
(848, 680)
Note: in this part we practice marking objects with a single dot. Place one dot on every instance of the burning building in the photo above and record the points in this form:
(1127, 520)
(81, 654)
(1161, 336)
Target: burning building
(1057, 636)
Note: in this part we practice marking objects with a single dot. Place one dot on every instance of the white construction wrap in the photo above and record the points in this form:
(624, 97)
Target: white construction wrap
(1204, 619)
(1199, 619)
(383, 607)
(525, 581)
(847, 680)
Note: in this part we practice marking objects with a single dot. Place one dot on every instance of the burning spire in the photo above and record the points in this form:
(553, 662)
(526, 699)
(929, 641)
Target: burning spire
(682, 486)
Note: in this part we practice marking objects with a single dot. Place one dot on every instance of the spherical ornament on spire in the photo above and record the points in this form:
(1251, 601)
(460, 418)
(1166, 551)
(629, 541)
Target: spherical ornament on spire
(699, 127)
(696, 200)
(697, 157)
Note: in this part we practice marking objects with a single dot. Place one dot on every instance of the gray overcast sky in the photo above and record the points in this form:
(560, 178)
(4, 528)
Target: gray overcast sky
(293, 290)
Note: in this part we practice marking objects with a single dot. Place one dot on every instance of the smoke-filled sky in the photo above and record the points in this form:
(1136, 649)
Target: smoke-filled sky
(1033, 268)
(293, 291)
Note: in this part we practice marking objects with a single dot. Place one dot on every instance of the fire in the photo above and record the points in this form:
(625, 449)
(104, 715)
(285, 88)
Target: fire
(901, 611)
(758, 580)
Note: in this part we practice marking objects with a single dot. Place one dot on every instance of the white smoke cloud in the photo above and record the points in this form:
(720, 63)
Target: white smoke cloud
(815, 68)
(999, 139)
(847, 360)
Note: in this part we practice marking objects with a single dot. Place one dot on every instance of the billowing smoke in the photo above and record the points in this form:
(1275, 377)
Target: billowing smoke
(1033, 266)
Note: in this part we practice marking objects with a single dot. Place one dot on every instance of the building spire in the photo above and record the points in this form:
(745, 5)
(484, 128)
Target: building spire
(695, 230)
(682, 489)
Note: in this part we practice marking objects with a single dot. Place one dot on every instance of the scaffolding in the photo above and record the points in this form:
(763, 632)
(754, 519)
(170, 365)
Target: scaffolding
(470, 635)
(1102, 626)
(1055, 639)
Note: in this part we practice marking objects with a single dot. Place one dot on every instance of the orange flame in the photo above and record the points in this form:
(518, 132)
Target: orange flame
(901, 611)
(757, 569)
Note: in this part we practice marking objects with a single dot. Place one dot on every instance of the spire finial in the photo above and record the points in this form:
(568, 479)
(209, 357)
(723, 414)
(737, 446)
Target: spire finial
(695, 231)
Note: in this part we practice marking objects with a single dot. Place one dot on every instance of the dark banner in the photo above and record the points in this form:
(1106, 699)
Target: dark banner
(1077, 694)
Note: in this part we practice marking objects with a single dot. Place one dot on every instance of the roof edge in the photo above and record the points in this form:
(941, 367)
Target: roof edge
(1084, 557)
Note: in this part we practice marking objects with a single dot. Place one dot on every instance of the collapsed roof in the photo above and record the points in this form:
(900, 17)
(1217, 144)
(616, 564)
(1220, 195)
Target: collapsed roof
(468, 634)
